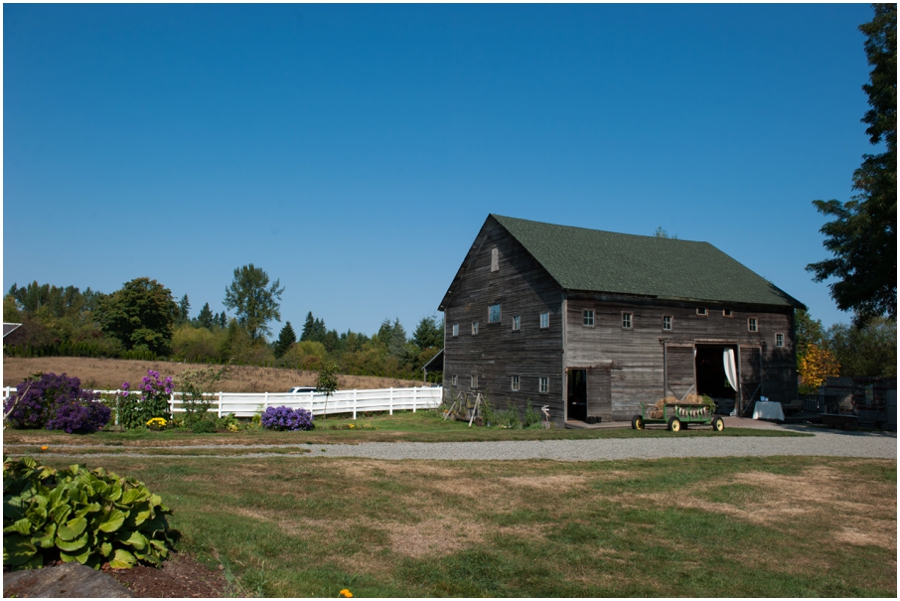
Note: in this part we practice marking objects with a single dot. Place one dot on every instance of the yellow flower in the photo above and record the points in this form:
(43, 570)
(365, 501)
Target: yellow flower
(346, 593)
(44, 447)
(352, 426)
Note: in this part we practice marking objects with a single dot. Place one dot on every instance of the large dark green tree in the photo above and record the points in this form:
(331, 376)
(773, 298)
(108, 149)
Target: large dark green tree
(254, 300)
(429, 333)
(184, 309)
(141, 315)
(205, 318)
(286, 338)
(863, 235)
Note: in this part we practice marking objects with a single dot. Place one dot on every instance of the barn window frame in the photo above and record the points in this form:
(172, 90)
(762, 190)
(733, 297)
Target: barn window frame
(587, 318)
(473, 382)
(545, 320)
(474, 328)
(516, 323)
(543, 385)
(702, 312)
(727, 313)
(494, 313)
(779, 340)
(752, 324)
(495, 260)
(667, 323)
(627, 320)
(454, 380)
(455, 329)
(514, 383)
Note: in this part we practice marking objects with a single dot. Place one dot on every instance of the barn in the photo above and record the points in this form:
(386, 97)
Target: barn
(591, 323)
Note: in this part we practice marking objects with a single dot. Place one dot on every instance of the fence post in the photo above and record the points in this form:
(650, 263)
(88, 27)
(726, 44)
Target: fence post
(220, 404)
(354, 403)
(266, 401)
(415, 395)
(172, 404)
(391, 396)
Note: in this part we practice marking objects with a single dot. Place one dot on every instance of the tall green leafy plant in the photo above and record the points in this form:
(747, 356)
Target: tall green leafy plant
(76, 515)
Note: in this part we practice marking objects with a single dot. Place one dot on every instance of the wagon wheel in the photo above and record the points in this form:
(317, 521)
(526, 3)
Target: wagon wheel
(674, 424)
(718, 424)
(637, 422)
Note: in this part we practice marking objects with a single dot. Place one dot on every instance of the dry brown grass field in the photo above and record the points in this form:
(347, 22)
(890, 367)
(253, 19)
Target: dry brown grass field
(108, 374)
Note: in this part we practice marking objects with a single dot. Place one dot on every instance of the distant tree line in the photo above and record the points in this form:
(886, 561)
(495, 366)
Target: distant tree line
(142, 320)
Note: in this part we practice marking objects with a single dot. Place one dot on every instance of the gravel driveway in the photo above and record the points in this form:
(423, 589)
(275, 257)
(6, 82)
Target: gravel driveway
(828, 443)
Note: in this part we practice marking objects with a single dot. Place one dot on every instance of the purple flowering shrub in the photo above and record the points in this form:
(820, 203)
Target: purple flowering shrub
(285, 418)
(149, 399)
(55, 402)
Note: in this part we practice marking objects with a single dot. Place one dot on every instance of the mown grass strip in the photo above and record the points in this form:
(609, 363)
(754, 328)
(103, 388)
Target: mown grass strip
(720, 527)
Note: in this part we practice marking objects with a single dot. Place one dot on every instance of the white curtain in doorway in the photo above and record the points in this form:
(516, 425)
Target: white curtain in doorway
(730, 367)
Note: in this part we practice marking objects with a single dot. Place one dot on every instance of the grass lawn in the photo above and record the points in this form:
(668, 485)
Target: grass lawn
(421, 426)
(745, 527)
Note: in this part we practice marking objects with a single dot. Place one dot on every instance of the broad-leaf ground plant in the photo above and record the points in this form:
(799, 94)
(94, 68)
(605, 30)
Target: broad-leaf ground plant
(88, 516)
(55, 402)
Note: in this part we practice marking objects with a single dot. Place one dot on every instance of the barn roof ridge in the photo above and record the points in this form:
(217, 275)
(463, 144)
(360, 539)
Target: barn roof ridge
(590, 260)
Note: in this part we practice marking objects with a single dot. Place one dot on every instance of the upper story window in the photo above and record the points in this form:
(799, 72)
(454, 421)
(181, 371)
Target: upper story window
(495, 260)
(474, 328)
(494, 313)
(456, 329)
(667, 323)
(516, 323)
(543, 384)
(727, 313)
(779, 340)
(587, 318)
(545, 320)
(752, 326)
(627, 320)
(701, 311)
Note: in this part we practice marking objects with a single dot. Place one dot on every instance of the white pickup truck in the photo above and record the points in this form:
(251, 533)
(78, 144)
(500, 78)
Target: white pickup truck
(297, 389)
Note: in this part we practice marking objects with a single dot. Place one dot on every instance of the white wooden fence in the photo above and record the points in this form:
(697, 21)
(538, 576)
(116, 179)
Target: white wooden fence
(247, 404)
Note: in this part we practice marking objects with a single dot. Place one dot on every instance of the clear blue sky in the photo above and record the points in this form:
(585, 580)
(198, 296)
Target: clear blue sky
(355, 151)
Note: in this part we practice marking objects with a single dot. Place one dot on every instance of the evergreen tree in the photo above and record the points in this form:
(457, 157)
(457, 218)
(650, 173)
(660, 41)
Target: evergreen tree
(429, 333)
(254, 299)
(286, 338)
(205, 319)
(308, 327)
(184, 309)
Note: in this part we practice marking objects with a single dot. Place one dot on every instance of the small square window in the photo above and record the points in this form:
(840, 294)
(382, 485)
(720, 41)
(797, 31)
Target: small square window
(474, 328)
(514, 383)
(667, 323)
(456, 329)
(544, 384)
(494, 313)
(626, 320)
(454, 380)
(727, 313)
(545, 320)
(779, 340)
(495, 260)
(587, 318)
(516, 323)
(752, 325)
(473, 382)
(701, 311)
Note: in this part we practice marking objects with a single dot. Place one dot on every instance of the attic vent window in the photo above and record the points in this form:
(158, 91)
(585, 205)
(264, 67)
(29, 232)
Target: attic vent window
(495, 260)
(727, 313)
(701, 311)
(667, 323)
(545, 320)
(516, 323)
(494, 313)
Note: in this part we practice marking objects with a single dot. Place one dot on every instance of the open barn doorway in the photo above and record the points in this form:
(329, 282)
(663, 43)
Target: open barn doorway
(712, 379)
(577, 402)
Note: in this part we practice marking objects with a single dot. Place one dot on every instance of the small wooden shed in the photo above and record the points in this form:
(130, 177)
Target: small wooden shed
(591, 322)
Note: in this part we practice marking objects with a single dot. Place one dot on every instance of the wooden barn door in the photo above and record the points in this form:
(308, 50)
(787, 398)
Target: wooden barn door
(679, 373)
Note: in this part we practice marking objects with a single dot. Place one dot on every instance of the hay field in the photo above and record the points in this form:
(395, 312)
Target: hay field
(108, 374)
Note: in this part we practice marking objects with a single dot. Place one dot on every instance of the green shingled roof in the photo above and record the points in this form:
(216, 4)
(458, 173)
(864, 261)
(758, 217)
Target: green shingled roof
(597, 261)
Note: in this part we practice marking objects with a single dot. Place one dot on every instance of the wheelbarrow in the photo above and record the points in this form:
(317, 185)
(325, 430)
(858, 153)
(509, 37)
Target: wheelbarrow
(677, 416)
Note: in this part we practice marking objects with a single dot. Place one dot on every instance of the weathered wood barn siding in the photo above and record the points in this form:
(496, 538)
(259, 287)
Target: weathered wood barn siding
(640, 366)
(522, 288)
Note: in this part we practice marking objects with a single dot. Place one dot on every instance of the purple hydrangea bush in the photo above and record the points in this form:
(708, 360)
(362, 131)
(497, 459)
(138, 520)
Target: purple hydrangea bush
(55, 402)
(285, 418)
